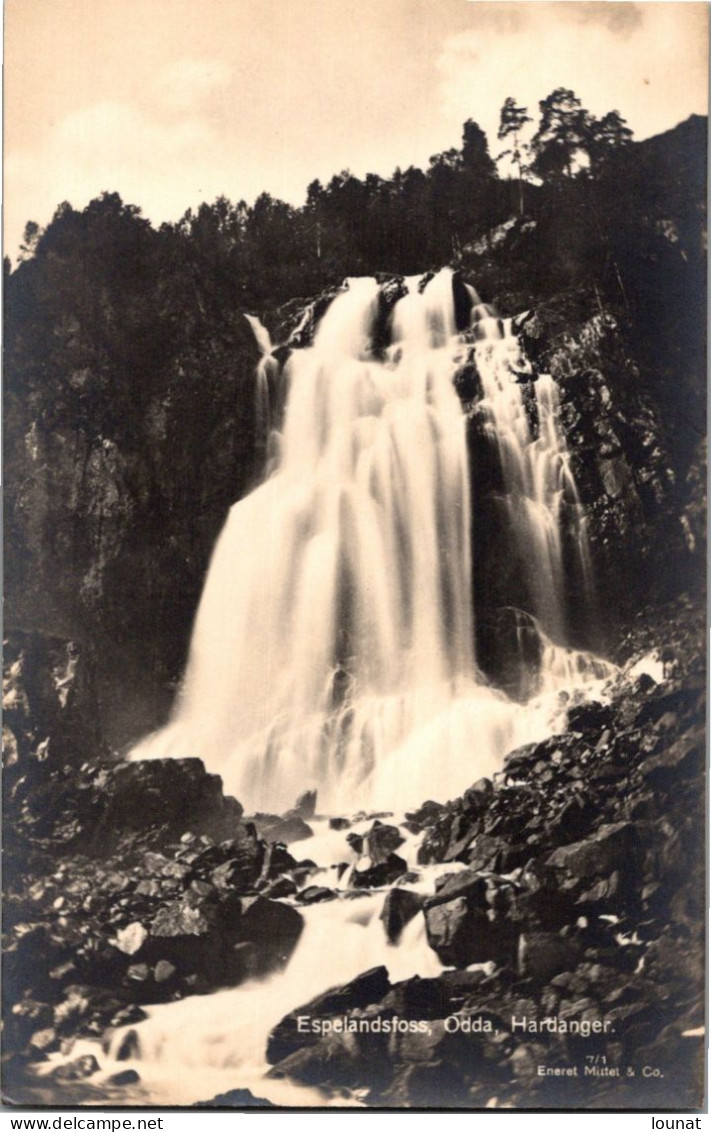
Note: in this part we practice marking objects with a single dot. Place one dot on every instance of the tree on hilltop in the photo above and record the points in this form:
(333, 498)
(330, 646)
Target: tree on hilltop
(512, 120)
(561, 135)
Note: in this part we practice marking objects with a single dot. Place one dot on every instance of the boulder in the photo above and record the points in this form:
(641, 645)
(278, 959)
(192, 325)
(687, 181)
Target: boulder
(277, 860)
(126, 1046)
(124, 1077)
(164, 972)
(185, 918)
(461, 934)
(401, 905)
(43, 1042)
(279, 888)
(178, 793)
(368, 875)
(338, 1059)
(468, 883)
(286, 830)
(131, 938)
(272, 927)
(427, 1084)
(304, 807)
(243, 861)
(96, 807)
(316, 894)
(356, 841)
(368, 988)
(235, 1098)
(612, 847)
(426, 814)
(381, 840)
(681, 758)
(76, 1070)
(418, 998)
(24, 1019)
(542, 955)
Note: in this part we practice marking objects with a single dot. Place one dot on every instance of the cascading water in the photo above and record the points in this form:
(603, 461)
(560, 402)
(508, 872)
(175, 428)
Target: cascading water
(334, 644)
(539, 486)
(193, 1049)
(265, 406)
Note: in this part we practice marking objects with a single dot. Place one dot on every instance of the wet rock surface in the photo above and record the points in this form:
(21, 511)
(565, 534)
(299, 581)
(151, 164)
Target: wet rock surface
(581, 907)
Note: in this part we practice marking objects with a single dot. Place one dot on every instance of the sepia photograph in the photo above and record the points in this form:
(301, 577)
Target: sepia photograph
(354, 669)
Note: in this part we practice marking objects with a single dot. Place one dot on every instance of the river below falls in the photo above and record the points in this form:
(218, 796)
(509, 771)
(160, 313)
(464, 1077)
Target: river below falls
(196, 1048)
(193, 1049)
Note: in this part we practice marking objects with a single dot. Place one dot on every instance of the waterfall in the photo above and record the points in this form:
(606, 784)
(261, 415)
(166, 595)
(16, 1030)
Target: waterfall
(334, 641)
(267, 374)
(541, 505)
(335, 646)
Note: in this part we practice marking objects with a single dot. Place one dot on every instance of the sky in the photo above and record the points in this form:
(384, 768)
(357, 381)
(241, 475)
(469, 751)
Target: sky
(174, 102)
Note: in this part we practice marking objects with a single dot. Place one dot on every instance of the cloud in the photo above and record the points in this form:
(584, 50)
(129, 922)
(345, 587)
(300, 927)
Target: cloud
(190, 84)
(115, 146)
(500, 16)
(620, 19)
(143, 147)
(646, 60)
(114, 135)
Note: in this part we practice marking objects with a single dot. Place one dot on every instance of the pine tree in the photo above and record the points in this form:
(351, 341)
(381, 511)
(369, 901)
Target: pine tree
(513, 119)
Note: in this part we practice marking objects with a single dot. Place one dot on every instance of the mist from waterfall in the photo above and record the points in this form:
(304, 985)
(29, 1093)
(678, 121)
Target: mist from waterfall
(334, 645)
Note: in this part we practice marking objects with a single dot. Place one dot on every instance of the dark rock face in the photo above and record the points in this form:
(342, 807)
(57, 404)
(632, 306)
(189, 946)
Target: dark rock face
(636, 477)
(49, 703)
(102, 503)
(296, 322)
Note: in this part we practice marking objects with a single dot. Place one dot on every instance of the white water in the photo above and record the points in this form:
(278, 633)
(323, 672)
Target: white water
(333, 646)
